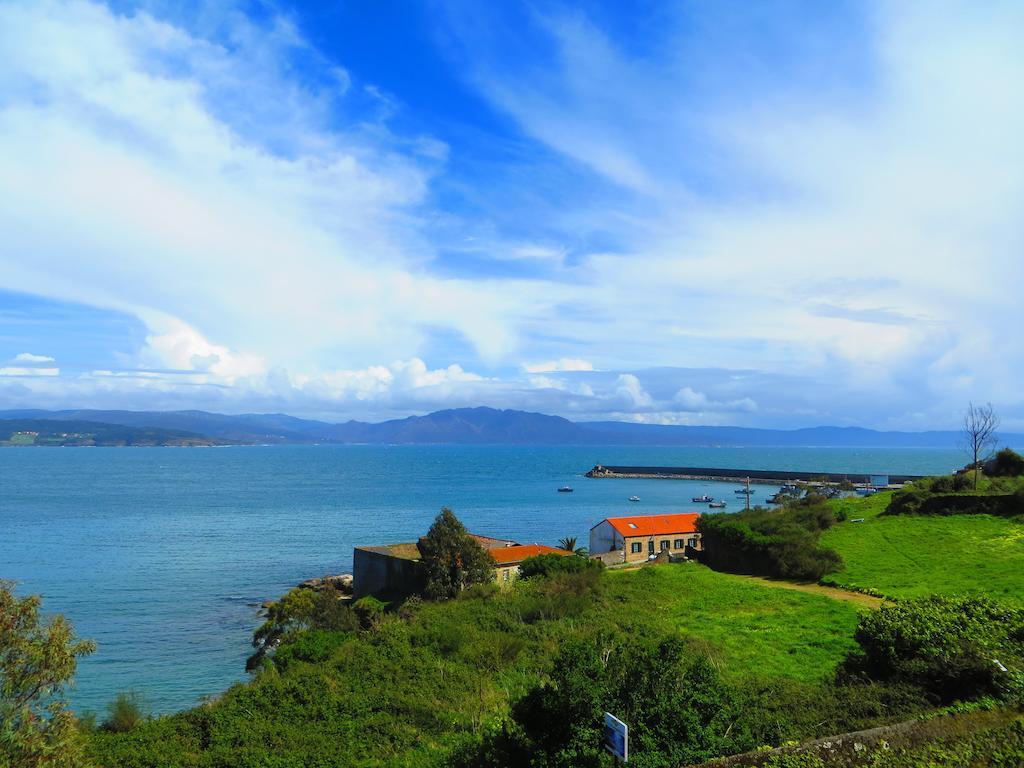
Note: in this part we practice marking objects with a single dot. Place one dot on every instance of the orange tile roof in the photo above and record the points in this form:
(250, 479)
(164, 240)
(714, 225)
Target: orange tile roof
(518, 553)
(655, 525)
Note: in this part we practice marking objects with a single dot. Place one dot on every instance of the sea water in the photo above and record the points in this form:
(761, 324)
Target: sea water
(163, 555)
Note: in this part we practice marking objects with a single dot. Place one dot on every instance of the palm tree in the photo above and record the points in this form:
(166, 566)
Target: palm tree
(568, 543)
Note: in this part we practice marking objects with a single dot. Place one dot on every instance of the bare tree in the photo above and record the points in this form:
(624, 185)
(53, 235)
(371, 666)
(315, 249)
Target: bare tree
(979, 433)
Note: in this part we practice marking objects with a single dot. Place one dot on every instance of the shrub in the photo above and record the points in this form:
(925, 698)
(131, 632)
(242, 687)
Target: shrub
(301, 609)
(945, 646)
(1006, 463)
(678, 708)
(313, 647)
(545, 565)
(917, 502)
(124, 713)
(780, 543)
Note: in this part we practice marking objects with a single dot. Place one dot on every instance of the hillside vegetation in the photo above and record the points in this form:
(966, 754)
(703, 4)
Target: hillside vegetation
(417, 683)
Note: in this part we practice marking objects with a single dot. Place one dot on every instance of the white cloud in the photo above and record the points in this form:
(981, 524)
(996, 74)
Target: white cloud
(28, 357)
(690, 399)
(896, 191)
(16, 371)
(631, 393)
(274, 243)
(134, 180)
(563, 364)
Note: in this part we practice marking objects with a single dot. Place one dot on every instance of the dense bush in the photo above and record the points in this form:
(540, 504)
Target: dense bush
(916, 501)
(546, 565)
(780, 543)
(1006, 463)
(948, 647)
(124, 713)
(301, 609)
(678, 708)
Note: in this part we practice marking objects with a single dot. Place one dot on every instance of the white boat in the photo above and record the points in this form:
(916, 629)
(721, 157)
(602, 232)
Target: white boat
(703, 499)
(634, 498)
(717, 505)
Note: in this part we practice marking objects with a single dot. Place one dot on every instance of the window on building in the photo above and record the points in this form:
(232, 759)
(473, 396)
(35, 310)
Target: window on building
(636, 547)
(505, 576)
(691, 542)
(666, 544)
(678, 544)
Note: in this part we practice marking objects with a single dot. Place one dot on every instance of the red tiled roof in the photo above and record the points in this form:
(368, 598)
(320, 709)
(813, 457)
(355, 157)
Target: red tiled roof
(655, 525)
(518, 553)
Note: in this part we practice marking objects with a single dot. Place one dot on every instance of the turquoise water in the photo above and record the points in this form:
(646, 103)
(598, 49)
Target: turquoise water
(161, 555)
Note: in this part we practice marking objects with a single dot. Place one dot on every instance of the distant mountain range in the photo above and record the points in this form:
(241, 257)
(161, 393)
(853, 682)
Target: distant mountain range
(478, 426)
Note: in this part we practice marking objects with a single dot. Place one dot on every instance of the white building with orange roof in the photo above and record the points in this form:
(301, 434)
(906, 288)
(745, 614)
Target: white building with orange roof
(640, 537)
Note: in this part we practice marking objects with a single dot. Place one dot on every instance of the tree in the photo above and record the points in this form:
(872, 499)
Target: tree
(37, 660)
(452, 559)
(567, 543)
(979, 434)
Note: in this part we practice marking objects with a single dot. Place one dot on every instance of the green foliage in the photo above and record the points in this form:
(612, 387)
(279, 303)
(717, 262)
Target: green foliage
(413, 688)
(678, 708)
(125, 712)
(781, 543)
(567, 543)
(922, 502)
(37, 661)
(546, 565)
(1006, 463)
(948, 647)
(298, 610)
(992, 748)
(452, 559)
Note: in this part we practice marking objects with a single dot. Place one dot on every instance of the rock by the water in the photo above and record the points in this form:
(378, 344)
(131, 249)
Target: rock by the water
(342, 583)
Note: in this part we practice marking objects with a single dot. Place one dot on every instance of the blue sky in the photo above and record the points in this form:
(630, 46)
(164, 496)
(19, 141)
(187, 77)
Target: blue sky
(767, 214)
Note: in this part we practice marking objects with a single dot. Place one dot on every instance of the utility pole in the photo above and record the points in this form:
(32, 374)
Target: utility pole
(747, 494)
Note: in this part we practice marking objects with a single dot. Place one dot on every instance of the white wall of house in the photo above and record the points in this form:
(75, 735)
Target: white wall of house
(604, 538)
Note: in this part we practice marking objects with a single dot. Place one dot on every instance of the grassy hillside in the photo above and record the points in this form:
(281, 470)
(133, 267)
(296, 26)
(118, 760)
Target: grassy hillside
(419, 683)
(911, 556)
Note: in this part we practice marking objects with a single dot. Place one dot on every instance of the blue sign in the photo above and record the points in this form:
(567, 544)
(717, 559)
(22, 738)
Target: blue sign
(616, 737)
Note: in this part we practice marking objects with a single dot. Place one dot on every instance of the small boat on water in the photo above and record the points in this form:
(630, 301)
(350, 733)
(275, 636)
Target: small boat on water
(702, 499)
(746, 491)
(717, 505)
(634, 498)
(565, 489)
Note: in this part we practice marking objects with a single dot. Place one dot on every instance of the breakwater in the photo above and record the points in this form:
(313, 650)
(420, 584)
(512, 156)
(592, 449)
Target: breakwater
(766, 476)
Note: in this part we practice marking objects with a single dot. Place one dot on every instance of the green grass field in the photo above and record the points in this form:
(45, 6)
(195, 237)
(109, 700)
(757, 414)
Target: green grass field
(911, 556)
(747, 628)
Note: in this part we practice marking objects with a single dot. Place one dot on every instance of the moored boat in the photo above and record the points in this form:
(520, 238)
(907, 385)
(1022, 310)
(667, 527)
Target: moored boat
(717, 505)
(704, 498)
(634, 498)
(565, 489)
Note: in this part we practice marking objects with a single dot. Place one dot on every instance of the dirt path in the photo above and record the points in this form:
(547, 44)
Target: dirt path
(817, 589)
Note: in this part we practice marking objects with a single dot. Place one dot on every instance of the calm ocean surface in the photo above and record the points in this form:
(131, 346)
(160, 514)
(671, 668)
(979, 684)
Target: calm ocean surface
(162, 555)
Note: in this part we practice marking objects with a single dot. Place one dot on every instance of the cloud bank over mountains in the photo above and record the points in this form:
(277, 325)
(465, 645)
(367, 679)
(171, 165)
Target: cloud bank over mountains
(709, 216)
